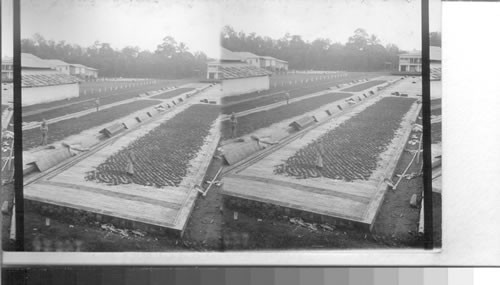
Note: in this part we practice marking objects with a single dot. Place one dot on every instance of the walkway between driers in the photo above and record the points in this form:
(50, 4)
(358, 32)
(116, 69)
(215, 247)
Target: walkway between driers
(92, 110)
(292, 100)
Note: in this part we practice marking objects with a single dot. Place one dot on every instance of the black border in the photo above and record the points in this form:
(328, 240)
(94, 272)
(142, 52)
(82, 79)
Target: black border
(426, 131)
(18, 131)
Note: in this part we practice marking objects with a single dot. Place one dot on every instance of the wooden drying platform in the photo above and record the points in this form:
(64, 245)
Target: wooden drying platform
(253, 186)
(64, 192)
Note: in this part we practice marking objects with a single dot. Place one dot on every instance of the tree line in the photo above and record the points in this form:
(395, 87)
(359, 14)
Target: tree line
(170, 60)
(362, 52)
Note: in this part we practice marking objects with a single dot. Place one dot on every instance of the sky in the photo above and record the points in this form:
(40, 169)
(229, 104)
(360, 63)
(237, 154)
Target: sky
(144, 23)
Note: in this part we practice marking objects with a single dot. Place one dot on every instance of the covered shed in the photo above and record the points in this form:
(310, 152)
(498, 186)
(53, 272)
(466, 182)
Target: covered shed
(41, 83)
(236, 76)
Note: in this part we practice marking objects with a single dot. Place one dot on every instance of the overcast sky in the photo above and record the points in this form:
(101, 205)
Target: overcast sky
(144, 23)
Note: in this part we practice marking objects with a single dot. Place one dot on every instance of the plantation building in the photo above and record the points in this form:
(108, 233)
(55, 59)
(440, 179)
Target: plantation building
(7, 69)
(236, 76)
(42, 83)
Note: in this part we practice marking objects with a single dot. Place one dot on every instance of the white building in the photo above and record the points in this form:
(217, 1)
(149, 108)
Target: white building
(41, 83)
(266, 62)
(249, 58)
(7, 69)
(236, 76)
(59, 65)
(410, 62)
(281, 65)
(435, 63)
(91, 73)
(76, 69)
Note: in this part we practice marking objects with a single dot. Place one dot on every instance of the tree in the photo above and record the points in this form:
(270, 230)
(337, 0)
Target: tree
(362, 52)
(170, 60)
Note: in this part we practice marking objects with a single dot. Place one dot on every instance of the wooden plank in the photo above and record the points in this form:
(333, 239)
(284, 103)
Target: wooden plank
(311, 188)
(171, 196)
(294, 198)
(51, 158)
(101, 204)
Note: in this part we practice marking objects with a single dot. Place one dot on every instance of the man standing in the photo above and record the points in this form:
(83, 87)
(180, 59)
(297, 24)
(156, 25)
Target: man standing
(130, 163)
(234, 123)
(287, 97)
(320, 151)
(97, 104)
(44, 128)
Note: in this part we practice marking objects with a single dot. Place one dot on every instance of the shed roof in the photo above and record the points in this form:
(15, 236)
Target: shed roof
(227, 55)
(245, 54)
(49, 79)
(31, 61)
(77, 65)
(234, 71)
(55, 62)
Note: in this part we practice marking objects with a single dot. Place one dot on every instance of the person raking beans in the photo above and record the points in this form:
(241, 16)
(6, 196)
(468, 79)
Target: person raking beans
(44, 128)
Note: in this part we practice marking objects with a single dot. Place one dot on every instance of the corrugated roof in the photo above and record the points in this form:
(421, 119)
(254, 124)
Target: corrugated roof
(234, 71)
(49, 79)
(276, 59)
(245, 54)
(78, 65)
(227, 55)
(55, 62)
(31, 61)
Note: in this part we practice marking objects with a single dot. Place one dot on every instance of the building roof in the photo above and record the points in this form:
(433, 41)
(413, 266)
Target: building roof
(435, 53)
(245, 54)
(227, 55)
(280, 60)
(49, 79)
(77, 65)
(82, 66)
(413, 53)
(55, 62)
(7, 59)
(31, 61)
(234, 71)
(273, 58)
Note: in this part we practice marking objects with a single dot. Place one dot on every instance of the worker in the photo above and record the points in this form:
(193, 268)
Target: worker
(44, 128)
(234, 123)
(130, 163)
(97, 104)
(287, 97)
(320, 151)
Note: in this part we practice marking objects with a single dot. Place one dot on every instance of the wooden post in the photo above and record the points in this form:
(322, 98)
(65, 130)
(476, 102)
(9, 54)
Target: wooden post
(404, 172)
